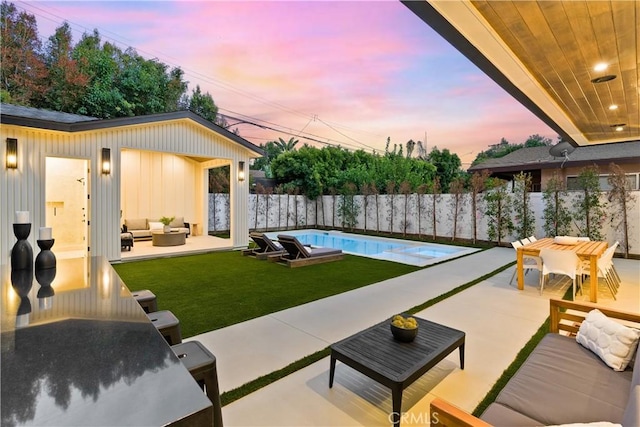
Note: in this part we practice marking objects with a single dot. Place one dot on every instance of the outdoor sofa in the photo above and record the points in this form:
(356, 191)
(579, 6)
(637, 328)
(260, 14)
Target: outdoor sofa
(562, 381)
(298, 255)
(142, 228)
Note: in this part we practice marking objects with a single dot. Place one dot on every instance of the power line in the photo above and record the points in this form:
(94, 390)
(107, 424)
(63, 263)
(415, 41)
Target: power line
(290, 131)
(211, 80)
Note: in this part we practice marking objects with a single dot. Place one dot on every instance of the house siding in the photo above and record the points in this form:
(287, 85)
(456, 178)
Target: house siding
(24, 188)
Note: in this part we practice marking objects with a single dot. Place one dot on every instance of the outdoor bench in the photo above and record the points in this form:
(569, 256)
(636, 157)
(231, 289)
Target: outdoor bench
(561, 381)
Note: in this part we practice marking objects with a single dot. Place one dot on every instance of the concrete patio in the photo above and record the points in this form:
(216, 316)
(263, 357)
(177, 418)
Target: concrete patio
(497, 318)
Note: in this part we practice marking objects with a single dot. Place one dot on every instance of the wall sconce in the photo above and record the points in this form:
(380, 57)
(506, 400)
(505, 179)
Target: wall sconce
(12, 153)
(106, 161)
(240, 171)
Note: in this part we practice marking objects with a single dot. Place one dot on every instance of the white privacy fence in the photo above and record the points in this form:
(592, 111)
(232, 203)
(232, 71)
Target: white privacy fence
(399, 214)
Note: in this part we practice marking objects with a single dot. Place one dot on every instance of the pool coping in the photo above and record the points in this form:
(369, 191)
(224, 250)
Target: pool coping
(393, 255)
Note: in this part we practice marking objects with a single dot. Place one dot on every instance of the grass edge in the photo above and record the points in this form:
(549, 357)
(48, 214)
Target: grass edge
(254, 385)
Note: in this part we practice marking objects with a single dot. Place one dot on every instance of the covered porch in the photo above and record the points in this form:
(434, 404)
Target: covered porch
(193, 245)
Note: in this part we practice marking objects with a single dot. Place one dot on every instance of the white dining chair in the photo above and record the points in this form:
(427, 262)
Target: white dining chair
(525, 241)
(606, 271)
(532, 239)
(529, 262)
(566, 263)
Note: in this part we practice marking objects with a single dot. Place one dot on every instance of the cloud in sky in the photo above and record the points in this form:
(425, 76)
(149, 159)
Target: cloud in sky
(364, 70)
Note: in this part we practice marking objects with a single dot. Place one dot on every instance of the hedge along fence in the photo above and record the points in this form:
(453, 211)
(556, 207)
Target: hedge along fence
(287, 212)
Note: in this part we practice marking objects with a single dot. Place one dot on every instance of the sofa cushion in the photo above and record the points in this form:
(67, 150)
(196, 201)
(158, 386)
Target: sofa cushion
(141, 234)
(500, 416)
(136, 224)
(631, 416)
(155, 226)
(636, 370)
(562, 382)
(178, 222)
(613, 342)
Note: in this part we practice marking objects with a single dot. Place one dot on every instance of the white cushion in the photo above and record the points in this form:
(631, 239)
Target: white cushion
(613, 342)
(153, 226)
(565, 240)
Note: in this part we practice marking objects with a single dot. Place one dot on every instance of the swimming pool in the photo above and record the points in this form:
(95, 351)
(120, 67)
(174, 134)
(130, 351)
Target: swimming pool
(397, 250)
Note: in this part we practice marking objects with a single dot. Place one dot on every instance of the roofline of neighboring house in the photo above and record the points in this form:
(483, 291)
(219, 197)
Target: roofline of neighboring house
(126, 121)
(551, 165)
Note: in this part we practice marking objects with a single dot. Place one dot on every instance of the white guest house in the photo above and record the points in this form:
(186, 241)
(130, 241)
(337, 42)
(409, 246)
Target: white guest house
(83, 176)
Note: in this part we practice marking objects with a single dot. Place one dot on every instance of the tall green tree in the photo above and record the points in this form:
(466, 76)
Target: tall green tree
(589, 213)
(457, 190)
(101, 62)
(448, 166)
(477, 184)
(273, 149)
(622, 199)
(23, 72)
(498, 210)
(524, 220)
(556, 215)
(147, 85)
(203, 105)
(66, 82)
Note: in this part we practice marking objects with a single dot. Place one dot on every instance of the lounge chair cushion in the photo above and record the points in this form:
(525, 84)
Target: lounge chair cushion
(559, 366)
(296, 250)
(314, 252)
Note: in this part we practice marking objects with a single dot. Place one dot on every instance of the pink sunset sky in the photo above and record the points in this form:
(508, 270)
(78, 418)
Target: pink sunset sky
(348, 73)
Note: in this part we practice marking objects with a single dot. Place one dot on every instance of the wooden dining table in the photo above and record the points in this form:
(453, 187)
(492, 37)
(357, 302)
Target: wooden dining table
(586, 251)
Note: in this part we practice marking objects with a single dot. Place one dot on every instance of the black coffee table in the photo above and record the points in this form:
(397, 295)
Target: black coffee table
(375, 353)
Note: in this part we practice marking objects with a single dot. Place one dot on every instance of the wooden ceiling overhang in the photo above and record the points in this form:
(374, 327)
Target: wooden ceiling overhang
(544, 54)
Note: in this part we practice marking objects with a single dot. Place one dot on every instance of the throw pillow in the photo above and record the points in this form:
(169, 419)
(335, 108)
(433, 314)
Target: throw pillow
(154, 226)
(613, 342)
(178, 222)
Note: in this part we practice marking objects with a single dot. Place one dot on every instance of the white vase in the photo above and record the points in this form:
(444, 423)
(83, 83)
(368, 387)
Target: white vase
(166, 228)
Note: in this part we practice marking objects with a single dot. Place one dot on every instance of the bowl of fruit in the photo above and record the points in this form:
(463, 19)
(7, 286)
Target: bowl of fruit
(404, 329)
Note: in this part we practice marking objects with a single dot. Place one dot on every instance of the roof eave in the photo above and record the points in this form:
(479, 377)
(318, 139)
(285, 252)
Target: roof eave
(128, 121)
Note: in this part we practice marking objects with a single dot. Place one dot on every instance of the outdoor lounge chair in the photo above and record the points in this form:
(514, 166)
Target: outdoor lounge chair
(298, 255)
(266, 247)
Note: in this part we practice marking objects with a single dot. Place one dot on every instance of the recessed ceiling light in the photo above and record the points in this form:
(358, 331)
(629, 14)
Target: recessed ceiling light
(618, 126)
(619, 129)
(613, 107)
(601, 66)
(603, 79)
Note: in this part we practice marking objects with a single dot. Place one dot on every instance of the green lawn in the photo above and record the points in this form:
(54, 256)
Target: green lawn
(218, 289)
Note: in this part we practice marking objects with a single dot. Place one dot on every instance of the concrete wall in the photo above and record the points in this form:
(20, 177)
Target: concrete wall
(320, 213)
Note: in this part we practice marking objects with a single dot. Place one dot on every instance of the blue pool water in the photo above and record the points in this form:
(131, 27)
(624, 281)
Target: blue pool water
(403, 251)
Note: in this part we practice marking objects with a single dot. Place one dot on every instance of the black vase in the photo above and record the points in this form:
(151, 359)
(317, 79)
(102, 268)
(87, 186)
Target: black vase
(22, 253)
(45, 259)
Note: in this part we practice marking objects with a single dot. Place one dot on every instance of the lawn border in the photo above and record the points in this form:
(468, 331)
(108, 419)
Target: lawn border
(239, 392)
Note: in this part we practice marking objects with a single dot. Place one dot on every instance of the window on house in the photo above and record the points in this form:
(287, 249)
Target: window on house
(633, 180)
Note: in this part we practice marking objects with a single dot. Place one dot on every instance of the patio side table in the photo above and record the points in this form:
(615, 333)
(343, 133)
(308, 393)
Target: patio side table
(374, 353)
